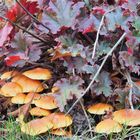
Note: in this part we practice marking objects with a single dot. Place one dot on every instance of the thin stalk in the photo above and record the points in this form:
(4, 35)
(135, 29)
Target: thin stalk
(98, 71)
(20, 27)
(31, 15)
(98, 32)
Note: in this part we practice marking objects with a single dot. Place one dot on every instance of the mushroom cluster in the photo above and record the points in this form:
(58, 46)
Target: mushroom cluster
(113, 124)
(26, 87)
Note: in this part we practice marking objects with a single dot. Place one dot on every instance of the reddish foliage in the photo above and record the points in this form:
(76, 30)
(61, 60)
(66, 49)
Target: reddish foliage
(11, 60)
(16, 11)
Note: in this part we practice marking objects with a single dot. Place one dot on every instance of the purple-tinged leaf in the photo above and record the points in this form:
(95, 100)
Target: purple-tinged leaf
(102, 84)
(68, 88)
(129, 61)
(4, 33)
(117, 19)
(34, 53)
(89, 24)
(61, 14)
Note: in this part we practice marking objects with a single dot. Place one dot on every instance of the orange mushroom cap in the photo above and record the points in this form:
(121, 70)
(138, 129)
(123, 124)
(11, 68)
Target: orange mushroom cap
(8, 75)
(18, 99)
(46, 102)
(38, 74)
(30, 96)
(36, 126)
(55, 89)
(11, 89)
(127, 117)
(60, 120)
(37, 111)
(61, 132)
(27, 84)
(99, 108)
(108, 126)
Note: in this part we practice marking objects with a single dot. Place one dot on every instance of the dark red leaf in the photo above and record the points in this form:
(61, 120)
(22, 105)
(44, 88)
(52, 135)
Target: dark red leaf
(98, 10)
(11, 60)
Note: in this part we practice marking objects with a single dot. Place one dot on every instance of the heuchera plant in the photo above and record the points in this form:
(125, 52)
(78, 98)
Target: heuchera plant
(66, 30)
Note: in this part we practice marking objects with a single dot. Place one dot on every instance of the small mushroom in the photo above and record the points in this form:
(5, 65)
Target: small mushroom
(60, 120)
(32, 96)
(61, 132)
(38, 74)
(108, 126)
(8, 75)
(36, 126)
(18, 99)
(55, 89)
(27, 84)
(37, 111)
(46, 102)
(11, 89)
(99, 108)
(127, 117)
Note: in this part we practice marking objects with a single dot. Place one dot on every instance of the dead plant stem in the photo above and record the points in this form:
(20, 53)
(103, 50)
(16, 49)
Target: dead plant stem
(98, 71)
(89, 125)
(128, 77)
(98, 32)
(22, 28)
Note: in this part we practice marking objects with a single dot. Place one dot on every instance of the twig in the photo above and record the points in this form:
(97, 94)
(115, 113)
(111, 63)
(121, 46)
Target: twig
(128, 77)
(31, 15)
(89, 125)
(98, 71)
(20, 27)
(98, 32)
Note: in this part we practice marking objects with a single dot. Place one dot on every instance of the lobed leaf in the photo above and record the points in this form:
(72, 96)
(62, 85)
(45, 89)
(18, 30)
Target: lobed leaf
(68, 88)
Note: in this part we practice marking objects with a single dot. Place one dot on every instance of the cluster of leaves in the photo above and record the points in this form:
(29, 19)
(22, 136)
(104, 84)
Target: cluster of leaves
(68, 29)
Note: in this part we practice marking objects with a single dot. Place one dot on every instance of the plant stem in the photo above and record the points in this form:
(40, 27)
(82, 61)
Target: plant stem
(128, 77)
(98, 71)
(31, 15)
(20, 27)
(98, 32)
(89, 125)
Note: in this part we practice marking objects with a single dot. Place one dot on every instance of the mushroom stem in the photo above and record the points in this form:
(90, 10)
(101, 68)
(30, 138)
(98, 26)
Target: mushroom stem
(21, 119)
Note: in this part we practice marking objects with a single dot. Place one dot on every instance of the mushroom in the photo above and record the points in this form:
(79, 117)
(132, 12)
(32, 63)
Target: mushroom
(38, 74)
(27, 84)
(46, 102)
(32, 96)
(61, 132)
(60, 120)
(8, 75)
(99, 108)
(37, 111)
(36, 126)
(11, 89)
(18, 99)
(108, 126)
(55, 89)
(127, 117)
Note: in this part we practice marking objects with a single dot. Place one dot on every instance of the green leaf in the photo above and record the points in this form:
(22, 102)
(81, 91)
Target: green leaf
(103, 48)
(136, 24)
